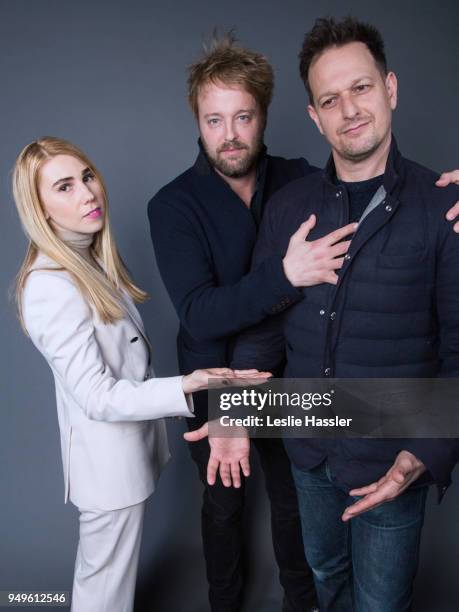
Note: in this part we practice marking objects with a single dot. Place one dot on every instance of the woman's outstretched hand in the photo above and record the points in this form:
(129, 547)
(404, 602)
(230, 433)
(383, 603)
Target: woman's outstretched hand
(228, 455)
(199, 379)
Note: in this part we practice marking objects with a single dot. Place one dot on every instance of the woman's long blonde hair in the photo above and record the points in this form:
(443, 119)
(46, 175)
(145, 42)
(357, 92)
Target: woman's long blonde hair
(102, 289)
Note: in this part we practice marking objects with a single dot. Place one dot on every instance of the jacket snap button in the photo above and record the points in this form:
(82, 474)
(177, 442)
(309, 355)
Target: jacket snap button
(321, 312)
(327, 371)
(347, 257)
(338, 193)
(333, 316)
(388, 208)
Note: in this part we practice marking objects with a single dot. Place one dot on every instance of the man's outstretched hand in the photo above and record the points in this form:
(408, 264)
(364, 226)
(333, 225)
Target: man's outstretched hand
(228, 456)
(406, 469)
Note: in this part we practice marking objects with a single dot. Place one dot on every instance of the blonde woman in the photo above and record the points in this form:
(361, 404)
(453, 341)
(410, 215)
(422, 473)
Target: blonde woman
(76, 302)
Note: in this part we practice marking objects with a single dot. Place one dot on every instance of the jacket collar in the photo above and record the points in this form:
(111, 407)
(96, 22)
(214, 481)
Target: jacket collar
(393, 172)
(43, 262)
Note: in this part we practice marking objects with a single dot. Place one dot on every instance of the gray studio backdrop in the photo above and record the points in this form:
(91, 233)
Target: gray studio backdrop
(110, 76)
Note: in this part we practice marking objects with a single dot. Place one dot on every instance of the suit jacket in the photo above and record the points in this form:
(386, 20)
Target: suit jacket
(110, 408)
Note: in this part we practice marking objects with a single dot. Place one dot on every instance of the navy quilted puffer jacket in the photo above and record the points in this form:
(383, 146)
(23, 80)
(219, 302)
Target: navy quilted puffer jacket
(394, 312)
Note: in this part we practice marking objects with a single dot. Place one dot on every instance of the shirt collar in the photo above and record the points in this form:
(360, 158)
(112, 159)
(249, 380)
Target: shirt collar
(392, 173)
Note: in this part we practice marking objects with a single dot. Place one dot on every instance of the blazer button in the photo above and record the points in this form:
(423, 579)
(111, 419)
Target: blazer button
(347, 257)
(327, 371)
(388, 208)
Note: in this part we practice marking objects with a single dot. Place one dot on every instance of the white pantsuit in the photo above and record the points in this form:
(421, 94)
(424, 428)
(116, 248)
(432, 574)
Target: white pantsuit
(110, 410)
(100, 584)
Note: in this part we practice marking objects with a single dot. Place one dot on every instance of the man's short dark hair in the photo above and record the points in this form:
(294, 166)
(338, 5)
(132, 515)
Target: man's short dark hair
(328, 33)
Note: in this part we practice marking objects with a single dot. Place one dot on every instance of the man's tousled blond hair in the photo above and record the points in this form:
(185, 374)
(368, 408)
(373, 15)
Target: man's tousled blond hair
(225, 61)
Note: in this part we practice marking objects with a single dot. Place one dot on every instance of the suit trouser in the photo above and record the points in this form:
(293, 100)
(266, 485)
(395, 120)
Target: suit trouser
(223, 536)
(107, 559)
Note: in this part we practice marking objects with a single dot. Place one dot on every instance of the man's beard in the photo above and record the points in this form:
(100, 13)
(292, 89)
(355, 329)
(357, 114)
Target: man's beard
(360, 154)
(236, 168)
(364, 151)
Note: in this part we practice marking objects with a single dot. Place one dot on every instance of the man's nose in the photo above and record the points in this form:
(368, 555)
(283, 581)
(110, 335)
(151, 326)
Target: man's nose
(230, 130)
(349, 107)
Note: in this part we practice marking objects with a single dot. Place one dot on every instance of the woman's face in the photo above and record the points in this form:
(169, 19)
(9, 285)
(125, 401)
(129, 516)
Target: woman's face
(71, 195)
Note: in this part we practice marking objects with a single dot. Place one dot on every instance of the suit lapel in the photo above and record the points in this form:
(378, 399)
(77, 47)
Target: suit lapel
(133, 314)
(44, 262)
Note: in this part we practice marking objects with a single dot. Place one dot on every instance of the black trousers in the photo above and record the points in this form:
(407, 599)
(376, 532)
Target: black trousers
(222, 535)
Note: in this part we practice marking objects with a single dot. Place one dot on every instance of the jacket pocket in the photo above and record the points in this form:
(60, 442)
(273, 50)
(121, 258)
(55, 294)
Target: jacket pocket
(401, 261)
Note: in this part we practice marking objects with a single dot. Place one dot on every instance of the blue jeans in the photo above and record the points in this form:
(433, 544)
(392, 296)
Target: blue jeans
(367, 564)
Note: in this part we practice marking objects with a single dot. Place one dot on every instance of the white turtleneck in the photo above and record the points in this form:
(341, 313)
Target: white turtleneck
(78, 241)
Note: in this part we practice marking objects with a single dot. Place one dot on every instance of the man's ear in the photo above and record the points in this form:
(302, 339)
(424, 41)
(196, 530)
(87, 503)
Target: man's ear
(391, 87)
(315, 117)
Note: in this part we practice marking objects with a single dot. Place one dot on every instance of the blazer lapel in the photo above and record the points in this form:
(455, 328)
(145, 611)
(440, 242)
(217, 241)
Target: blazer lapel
(133, 314)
